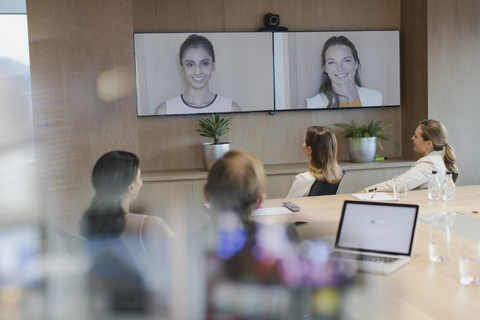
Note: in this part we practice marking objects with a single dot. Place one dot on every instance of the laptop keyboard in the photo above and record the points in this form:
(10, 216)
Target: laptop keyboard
(364, 257)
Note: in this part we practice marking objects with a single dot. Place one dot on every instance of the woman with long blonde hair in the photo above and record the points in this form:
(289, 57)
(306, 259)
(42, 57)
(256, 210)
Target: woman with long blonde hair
(320, 145)
(430, 140)
(340, 85)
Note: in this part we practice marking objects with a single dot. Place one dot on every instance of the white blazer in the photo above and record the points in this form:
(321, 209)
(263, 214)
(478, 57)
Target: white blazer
(418, 177)
(301, 186)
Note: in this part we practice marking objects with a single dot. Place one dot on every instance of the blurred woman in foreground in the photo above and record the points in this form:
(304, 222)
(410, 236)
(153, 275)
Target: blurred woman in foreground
(116, 178)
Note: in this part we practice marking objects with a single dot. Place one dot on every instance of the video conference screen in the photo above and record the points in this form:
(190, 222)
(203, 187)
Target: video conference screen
(228, 72)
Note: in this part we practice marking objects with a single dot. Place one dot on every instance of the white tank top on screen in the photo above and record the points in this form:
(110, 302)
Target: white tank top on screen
(178, 106)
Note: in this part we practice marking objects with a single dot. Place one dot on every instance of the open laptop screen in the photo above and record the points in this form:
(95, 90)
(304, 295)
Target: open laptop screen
(377, 227)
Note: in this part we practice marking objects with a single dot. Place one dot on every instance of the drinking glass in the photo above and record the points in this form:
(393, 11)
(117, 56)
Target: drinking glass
(469, 262)
(439, 241)
(399, 188)
(450, 217)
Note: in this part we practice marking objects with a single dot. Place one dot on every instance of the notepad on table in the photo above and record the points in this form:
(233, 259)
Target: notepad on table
(375, 196)
(271, 211)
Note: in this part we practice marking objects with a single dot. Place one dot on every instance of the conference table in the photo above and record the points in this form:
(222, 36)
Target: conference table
(422, 289)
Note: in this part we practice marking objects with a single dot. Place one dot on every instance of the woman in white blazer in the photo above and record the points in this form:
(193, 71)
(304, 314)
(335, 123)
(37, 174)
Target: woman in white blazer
(340, 85)
(430, 140)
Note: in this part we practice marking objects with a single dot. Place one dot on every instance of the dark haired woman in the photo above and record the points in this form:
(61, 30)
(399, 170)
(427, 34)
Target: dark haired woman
(197, 63)
(320, 145)
(116, 180)
(341, 86)
(430, 140)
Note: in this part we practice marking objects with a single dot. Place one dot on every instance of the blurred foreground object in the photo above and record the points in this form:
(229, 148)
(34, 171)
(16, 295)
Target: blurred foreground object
(257, 271)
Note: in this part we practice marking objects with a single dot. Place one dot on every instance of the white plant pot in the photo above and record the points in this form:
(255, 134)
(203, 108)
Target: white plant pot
(211, 152)
(362, 149)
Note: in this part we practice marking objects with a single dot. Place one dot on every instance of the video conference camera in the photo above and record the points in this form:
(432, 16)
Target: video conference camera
(271, 23)
(271, 20)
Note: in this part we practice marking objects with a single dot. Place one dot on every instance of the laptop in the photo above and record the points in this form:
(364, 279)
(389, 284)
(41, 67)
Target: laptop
(379, 236)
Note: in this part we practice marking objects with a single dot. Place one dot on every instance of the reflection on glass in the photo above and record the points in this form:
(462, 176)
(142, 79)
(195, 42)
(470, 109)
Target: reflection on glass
(16, 124)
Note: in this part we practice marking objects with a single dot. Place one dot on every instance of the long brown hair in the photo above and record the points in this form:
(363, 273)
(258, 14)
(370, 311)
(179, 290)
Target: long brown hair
(323, 162)
(436, 132)
(112, 174)
(325, 81)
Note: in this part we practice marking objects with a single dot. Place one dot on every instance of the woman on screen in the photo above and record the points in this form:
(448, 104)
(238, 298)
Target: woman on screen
(320, 145)
(340, 85)
(197, 63)
(430, 140)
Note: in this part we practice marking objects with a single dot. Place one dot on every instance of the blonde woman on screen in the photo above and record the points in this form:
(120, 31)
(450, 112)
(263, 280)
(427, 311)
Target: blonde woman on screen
(340, 85)
(320, 145)
(197, 63)
(430, 140)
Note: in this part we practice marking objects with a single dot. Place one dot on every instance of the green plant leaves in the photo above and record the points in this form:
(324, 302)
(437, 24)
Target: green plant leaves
(213, 128)
(373, 129)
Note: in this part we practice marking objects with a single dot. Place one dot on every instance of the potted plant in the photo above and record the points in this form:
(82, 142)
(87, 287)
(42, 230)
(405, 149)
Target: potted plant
(363, 140)
(213, 128)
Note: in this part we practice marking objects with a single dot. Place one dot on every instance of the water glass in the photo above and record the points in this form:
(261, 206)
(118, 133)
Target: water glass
(399, 188)
(449, 217)
(469, 262)
(439, 241)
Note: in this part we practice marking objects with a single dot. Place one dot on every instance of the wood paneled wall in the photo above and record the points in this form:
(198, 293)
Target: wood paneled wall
(247, 15)
(83, 95)
(414, 62)
(453, 78)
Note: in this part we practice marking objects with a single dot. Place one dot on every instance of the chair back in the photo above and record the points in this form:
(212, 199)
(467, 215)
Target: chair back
(455, 176)
(322, 188)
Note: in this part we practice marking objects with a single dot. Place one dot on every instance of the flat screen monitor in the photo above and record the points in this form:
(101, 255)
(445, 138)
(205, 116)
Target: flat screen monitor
(229, 72)
(299, 69)
(239, 80)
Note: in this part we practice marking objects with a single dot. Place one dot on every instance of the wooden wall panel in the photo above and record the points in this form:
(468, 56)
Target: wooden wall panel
(278, 186)
(274, 139)
(453, 78)
(178, 15)
(172, 143)
(355, 181)
(307, 15)
(48, 91)
(414, 62)
(171, 201)
(83, 93)
(361, 117)
(199, 216)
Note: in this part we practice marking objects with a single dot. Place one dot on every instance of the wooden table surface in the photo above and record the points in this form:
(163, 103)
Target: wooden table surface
(420, 290)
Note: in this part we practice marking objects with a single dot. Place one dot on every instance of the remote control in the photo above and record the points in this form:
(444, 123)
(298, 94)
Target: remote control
(291, 206)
